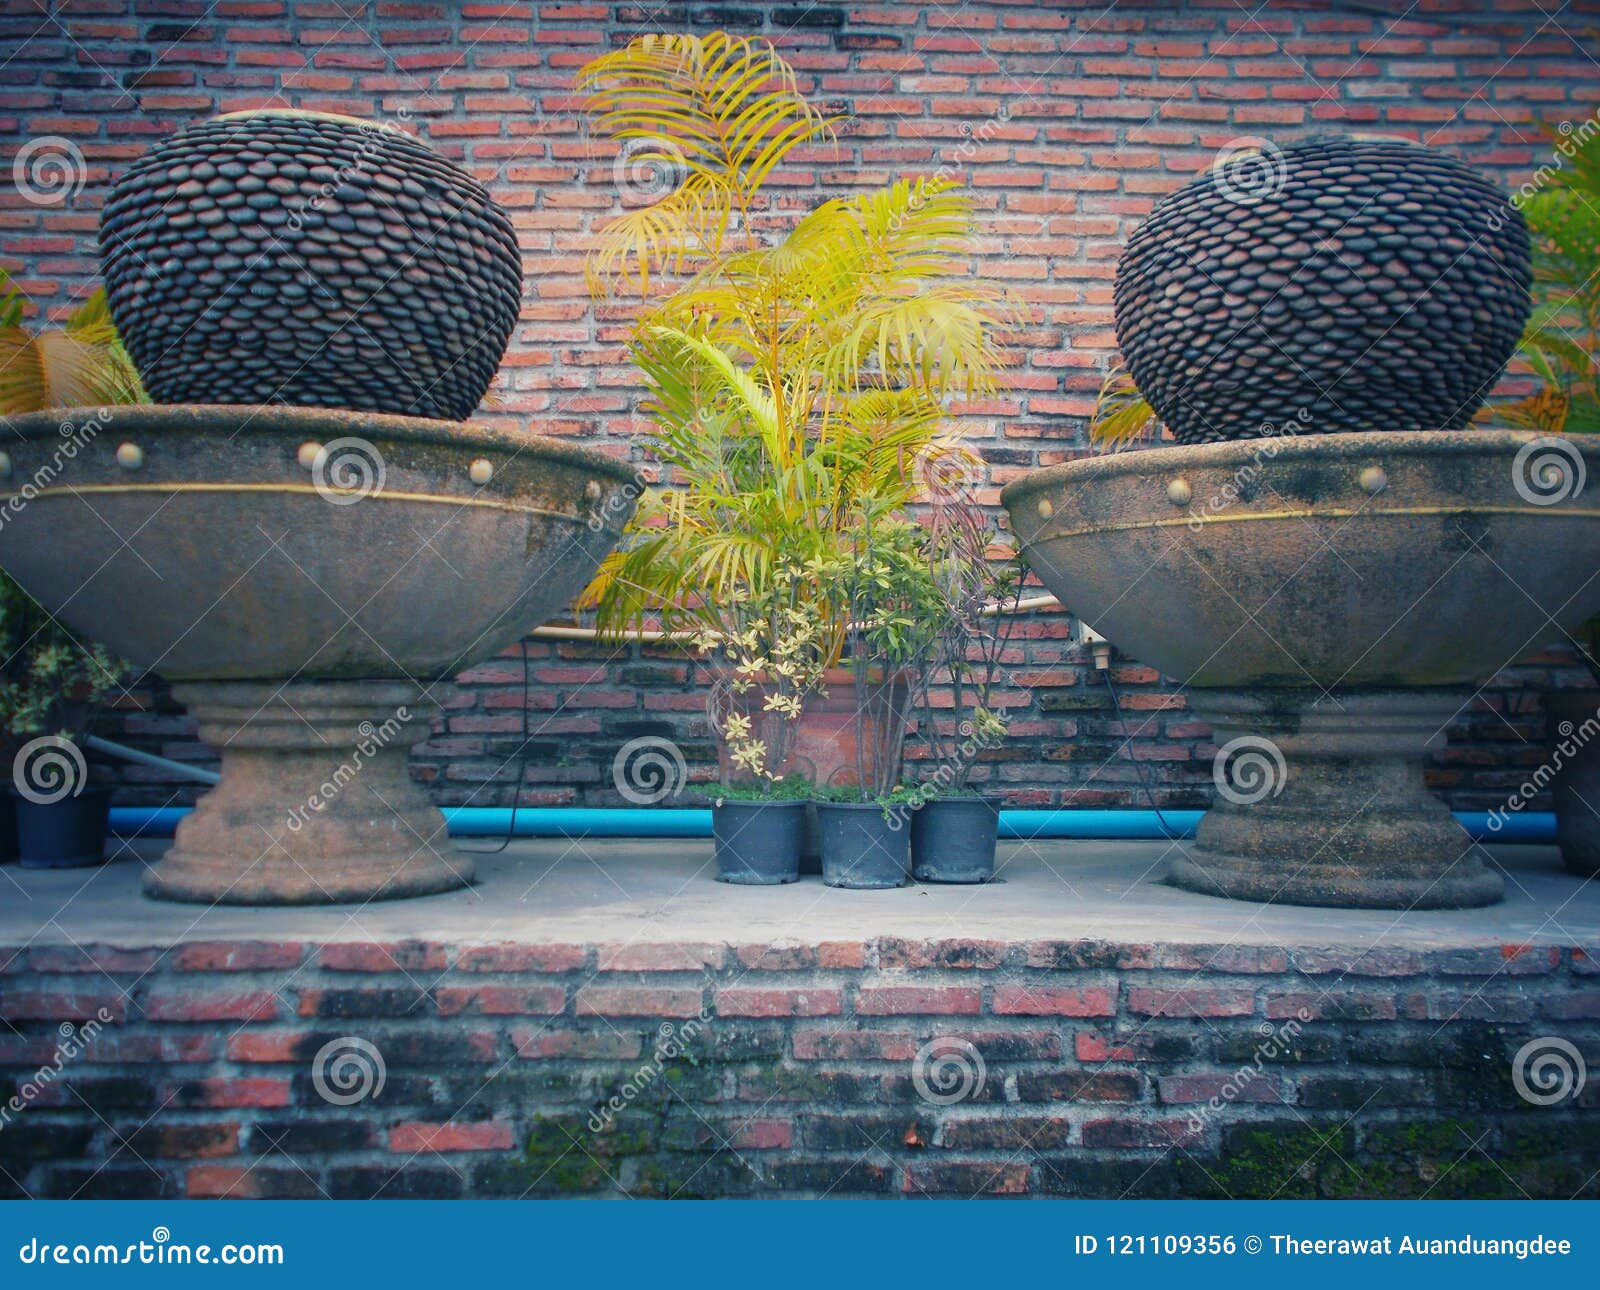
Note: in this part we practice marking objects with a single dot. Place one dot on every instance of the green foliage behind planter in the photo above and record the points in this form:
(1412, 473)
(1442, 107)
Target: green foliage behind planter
(1562, 339)
(51, 683)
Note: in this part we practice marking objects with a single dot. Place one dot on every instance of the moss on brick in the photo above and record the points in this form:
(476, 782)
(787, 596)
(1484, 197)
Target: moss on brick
(694, 1176)
(1441, 1159)
(1274, 1160)
(565, 1155)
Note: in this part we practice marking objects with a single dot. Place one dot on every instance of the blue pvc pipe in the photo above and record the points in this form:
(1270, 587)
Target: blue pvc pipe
(1068, 823)
(641, 822)
(578, 822)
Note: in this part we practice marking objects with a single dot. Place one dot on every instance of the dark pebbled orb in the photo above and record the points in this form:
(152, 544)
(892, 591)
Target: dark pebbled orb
(1337, 284)
(282, 257)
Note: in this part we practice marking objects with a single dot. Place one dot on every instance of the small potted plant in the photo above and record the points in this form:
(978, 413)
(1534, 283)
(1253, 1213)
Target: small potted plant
(52, 687)
(771, 656)
(893, 610)
(955, 826)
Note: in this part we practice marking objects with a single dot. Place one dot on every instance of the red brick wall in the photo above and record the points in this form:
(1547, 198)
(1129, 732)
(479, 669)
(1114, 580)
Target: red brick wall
(1067, 119)
(1067, 1067)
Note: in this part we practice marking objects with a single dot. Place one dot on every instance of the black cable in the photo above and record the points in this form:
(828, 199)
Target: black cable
(1167, 830)
(522, 764)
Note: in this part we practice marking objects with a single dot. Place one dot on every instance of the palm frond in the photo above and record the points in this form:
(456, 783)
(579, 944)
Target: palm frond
(1121, 413)
(81, 364)
(724, 109)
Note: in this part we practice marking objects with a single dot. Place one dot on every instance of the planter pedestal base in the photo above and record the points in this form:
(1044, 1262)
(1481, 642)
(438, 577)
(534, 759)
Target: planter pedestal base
(1321, 802)
(315, 805)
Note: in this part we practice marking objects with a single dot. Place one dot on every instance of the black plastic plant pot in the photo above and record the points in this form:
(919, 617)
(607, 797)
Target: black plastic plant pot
(758, 843)
(8, 828)
(863, 847)
(67, 834)
(953, 839)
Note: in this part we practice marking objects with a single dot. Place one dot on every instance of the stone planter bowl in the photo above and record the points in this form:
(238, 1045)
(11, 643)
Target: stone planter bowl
(1331, 601)
(304, 577)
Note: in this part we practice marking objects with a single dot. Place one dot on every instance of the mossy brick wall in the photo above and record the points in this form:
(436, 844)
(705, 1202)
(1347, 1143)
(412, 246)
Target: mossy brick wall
(1090, 1069)
(1067, 120)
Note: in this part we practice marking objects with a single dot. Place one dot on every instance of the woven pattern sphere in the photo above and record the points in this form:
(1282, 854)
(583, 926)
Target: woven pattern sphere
(284, 257)
(1338, 284)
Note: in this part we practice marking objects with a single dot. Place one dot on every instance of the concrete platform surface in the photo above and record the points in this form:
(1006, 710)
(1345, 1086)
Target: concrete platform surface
(602, 891)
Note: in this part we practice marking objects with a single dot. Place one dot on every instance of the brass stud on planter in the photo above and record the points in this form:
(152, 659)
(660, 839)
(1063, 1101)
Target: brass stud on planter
(1179, 493)
(130, 456)
(1373, 480)
(591, 491)
(1045, 508)
(307, 456)
(480, 472)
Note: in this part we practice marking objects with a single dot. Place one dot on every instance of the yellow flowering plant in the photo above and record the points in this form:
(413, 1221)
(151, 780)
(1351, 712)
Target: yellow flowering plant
(770, 657)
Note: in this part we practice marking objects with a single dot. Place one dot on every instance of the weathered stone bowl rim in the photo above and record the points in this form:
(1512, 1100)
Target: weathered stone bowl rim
(239, 420)
(1285, 449)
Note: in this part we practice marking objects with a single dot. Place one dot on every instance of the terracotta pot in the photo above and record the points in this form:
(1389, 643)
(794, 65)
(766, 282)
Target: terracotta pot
(1574, 717)
(1330, 601)
(825, 738)
(305, 609)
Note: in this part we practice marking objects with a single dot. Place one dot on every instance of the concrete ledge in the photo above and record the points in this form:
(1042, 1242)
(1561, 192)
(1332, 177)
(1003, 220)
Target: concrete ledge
(603, 891)
(602, 1019)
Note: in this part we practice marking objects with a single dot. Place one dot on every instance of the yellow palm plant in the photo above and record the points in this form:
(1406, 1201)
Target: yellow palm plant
(794, 389)
(81, 364)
